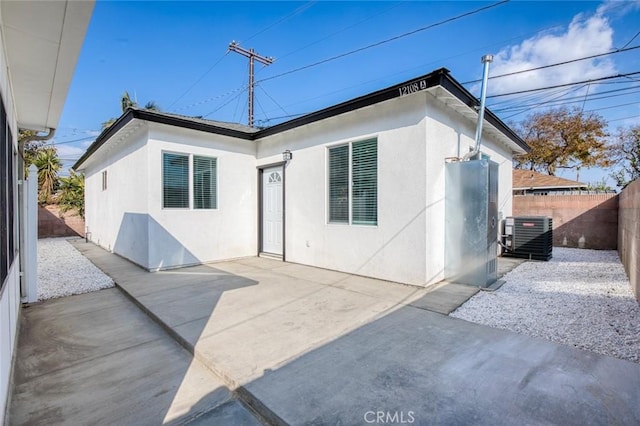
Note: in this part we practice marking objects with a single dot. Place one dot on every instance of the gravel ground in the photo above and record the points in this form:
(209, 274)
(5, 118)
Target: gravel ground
(63, 271)
(580, 298)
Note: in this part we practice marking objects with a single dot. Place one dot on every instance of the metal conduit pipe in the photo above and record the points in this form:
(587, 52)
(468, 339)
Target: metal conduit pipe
(486, 60)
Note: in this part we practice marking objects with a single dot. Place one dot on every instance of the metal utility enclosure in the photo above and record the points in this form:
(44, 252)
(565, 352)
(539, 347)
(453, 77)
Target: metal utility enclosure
(471, 215)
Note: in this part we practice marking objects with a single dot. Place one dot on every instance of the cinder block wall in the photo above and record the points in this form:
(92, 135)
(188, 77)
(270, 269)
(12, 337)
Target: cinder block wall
(53, 223)
(629, 233)
(582, 221)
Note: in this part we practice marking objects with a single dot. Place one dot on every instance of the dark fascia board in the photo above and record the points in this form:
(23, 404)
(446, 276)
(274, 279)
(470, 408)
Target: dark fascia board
(161, 118)
(430, 80)
(439, 77)
(126, 117)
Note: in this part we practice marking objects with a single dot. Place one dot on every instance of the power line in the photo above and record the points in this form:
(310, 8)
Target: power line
(483, 48)
(213, 98)
(576, 99)
(624, 118)
(289, 16)
(274, 101)
(542, 103)
(75, 140)
(564, 85)
(632, 38)
(199, 79)
(342, 55)
(340, 31)
(225, 104)
(557, 64)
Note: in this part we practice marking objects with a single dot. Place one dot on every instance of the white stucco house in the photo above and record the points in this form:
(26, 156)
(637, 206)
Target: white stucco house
(363, 191)
(39, 46)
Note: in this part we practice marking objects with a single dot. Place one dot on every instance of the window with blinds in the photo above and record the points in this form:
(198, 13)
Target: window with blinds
(339, 184)
(364, 189)
(353, 183)
(204, 182)
(175, 180)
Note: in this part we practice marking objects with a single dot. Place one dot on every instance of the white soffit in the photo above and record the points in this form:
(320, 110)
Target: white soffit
(471, 114)
(42, 41)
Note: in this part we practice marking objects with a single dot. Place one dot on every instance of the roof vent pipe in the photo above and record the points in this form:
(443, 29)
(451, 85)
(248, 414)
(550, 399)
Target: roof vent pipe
(486, 59)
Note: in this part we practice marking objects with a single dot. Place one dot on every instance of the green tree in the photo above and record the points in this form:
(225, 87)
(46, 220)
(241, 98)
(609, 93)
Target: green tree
(48, 164)
(563, 139)
(71, 193)
(625, 153)
(127, 102)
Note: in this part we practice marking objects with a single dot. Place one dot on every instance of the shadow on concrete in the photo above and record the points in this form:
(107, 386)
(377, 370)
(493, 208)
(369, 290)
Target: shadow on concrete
(97, 359)
(438, 370)
(302, 345)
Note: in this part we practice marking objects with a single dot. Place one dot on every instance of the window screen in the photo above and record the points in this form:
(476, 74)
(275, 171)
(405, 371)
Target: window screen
(356, 203)
(175, 180)
(339, 184)
(364, 157)
(204, 183)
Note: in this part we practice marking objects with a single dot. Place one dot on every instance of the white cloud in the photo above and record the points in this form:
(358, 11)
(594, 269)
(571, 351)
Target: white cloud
(585, 36)
(617, 8)
(70, 151)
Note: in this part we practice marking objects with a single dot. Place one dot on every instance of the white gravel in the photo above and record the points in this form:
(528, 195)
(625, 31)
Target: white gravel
(63, 271)
(580, 298)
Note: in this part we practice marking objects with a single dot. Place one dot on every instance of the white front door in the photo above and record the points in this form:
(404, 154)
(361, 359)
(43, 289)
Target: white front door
(272, 210)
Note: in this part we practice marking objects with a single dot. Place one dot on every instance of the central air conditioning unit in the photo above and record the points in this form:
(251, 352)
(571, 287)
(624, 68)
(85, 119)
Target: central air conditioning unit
(529, 237)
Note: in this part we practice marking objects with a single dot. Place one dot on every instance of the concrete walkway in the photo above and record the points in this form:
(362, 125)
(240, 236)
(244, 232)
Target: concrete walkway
(304, 345)
(97, 359)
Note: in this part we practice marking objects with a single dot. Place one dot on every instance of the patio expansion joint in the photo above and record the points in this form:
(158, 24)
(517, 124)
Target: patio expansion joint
(244, 396)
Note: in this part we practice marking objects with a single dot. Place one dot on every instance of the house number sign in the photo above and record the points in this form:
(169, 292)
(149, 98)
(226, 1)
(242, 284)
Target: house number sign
(413, 87)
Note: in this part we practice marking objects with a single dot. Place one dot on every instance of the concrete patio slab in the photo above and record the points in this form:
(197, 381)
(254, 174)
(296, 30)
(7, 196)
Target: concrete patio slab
(97, 359)
(304, 345)
(445, 297)
(436, 370)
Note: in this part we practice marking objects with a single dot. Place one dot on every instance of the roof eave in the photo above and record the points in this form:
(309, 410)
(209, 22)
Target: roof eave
(147, 115)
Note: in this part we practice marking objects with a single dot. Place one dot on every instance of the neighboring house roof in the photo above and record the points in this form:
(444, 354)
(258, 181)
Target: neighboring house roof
(528, 179)
(454, 94)
(43, 42)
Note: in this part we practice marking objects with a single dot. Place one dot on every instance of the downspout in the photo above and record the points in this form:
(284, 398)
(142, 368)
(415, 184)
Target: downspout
(21, 201)
(475, 153)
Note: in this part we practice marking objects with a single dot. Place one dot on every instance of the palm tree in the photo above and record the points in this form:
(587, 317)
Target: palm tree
(48, 164)
(127, 102)
(71, 193)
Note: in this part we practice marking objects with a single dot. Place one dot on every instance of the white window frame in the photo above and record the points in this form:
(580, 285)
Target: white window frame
(349, 222)
(190, 181)
(104, 180)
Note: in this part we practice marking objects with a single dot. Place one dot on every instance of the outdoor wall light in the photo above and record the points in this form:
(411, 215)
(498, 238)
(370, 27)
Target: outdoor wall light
(286, 155)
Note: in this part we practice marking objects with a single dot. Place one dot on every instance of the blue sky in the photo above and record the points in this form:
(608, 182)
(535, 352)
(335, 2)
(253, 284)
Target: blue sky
(175, 54)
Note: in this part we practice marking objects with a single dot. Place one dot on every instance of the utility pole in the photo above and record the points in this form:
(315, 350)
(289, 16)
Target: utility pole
(235, 47)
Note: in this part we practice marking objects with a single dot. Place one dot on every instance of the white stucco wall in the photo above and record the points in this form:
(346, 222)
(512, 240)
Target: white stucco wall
(395, 248)
(415, 134)
(10, 293)
(117, 218)
(128, 218)
(190, 236)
